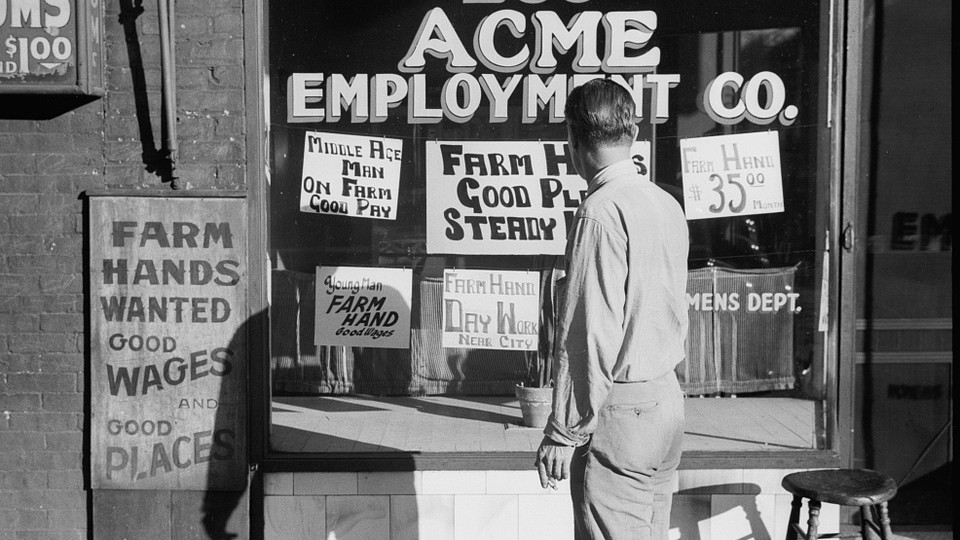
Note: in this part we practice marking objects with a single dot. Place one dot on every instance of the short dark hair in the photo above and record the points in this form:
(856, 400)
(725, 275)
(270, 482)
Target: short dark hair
(600, 112)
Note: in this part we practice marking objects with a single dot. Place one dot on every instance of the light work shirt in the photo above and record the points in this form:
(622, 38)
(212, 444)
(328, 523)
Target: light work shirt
(622, 311)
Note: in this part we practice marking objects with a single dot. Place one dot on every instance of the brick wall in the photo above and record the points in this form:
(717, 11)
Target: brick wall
(45, 166)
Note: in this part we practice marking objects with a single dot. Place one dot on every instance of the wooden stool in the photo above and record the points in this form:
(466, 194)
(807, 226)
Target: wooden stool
(847, 487)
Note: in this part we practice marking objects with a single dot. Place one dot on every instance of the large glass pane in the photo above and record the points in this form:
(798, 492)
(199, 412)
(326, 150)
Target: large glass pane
(742, 81)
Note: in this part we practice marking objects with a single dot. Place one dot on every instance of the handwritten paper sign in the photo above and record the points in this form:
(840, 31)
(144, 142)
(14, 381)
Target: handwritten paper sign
(168, 318)
(350, 175)
(731, 175)
(491, 309)
(504, 197)
(363, 307)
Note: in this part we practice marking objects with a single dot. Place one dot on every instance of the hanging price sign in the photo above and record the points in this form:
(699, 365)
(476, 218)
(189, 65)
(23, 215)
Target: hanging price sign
(731, 175)
(51, 47)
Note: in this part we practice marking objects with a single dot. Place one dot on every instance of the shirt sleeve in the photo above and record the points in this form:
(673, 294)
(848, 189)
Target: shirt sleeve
(589, 332)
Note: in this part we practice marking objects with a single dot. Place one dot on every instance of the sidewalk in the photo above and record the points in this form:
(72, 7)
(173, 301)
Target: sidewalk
(922, 535)
(901, 533)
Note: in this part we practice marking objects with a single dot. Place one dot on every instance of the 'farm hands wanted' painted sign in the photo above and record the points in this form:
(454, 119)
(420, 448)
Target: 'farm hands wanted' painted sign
(168, 313)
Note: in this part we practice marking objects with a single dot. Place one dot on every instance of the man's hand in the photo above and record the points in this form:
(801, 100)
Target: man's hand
(553, 462)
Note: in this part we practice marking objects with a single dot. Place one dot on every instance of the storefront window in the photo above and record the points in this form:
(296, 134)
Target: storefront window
(420, 192)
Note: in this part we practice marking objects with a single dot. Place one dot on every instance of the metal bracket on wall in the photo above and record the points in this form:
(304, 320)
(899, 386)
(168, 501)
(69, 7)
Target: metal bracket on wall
(847, 237)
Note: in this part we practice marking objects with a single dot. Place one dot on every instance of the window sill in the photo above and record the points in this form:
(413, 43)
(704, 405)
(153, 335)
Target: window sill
(332, 434)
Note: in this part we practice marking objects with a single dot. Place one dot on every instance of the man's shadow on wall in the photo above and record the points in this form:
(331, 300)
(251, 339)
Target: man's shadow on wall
(225, 509)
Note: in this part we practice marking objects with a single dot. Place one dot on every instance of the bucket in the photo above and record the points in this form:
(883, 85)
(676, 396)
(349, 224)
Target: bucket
(536, 403)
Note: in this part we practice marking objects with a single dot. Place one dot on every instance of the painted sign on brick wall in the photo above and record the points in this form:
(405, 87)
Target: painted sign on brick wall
(51, 46)
(168, 342)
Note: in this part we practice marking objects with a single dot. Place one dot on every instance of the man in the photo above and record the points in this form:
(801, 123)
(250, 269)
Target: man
(617, 420)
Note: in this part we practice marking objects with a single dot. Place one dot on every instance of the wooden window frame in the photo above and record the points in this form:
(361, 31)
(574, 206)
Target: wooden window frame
(842, 85)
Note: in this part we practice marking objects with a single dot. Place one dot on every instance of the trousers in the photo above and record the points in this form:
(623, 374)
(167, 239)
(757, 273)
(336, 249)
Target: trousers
(621, 481)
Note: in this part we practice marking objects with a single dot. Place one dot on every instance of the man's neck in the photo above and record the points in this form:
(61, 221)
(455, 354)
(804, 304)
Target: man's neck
(599, 158)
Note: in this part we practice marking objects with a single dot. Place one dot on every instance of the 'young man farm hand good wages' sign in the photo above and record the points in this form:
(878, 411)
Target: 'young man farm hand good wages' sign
(363, 307)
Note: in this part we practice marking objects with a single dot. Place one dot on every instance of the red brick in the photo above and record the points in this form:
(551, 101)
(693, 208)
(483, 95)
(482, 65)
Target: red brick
(61, 322)
(41, 382)
(65, 479)
(19, 362)
(20, 402)
(72, 402)
(68, 163)
(19, 440)
(45, 422)
(60, 203)
(51, 303)
(11, 461)
(20, 163)
(61, 283)
(65, 518)
(19, 203)
(64, 441)
(40, 224)
(39, 343)
(57, 362)
(17, 284)
(31, 519)
(53, 498)
(213, 102)
(22, 244)
(23, 480)
(46, 461)
(26, 184)
(18, 322)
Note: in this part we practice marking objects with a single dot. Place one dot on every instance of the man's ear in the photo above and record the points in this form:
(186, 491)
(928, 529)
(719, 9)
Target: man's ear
(635, 130)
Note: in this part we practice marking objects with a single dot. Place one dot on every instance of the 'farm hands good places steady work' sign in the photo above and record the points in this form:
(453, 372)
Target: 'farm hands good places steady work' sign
(168, 342)
(505, 197)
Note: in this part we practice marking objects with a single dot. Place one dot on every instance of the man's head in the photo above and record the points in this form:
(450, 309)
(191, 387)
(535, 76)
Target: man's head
(600, 117)
(600, 112)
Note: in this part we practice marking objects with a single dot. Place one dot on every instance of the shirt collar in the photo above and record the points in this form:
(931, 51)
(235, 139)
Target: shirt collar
(618, 169)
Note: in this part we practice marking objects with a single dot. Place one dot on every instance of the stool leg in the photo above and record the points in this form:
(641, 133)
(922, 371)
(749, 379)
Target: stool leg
(794, 517)
(885, 531)
(866, 520)
(813, 507)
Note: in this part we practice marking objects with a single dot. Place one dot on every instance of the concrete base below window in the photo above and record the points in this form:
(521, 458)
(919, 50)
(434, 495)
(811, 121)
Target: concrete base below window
(724, 504)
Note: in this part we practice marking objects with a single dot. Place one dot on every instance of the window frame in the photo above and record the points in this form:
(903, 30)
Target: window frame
(840, 94)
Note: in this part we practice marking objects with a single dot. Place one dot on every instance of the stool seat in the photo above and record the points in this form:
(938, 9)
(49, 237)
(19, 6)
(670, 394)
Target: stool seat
(847, 487)
(869, 490)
